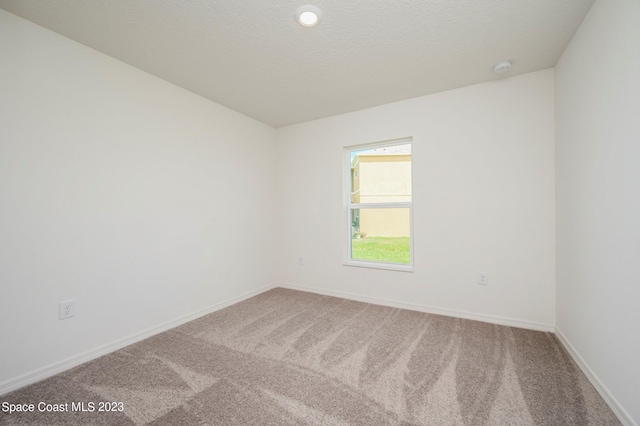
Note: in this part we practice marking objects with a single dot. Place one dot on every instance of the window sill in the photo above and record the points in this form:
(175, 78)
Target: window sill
(378, 265)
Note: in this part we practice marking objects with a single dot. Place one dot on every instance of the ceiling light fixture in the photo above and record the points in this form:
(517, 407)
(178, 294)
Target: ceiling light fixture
(308, 16)
(502, 67)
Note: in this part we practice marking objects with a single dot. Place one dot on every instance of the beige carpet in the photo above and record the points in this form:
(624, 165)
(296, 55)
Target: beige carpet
(289, 357)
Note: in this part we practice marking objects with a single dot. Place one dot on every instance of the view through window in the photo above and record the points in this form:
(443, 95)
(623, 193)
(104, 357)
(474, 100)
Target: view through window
(379, 205)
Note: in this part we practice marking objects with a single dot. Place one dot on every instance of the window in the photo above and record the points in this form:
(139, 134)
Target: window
(378, 204)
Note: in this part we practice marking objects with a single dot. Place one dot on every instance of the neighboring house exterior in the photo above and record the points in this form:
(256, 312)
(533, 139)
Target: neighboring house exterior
(381, 175)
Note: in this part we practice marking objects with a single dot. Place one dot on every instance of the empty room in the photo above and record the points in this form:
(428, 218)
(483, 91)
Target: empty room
(359, 213)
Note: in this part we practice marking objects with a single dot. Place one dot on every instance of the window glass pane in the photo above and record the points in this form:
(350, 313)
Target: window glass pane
(381, 235)
(381, 175)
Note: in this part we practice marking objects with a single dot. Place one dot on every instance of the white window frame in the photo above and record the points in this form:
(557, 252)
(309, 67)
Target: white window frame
(348, 206)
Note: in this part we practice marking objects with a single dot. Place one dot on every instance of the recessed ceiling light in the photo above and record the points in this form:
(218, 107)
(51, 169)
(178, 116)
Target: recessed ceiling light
(308, 16)
(502, 67)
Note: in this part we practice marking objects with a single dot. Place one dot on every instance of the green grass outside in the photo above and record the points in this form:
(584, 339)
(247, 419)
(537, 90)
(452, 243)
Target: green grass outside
(381, 249)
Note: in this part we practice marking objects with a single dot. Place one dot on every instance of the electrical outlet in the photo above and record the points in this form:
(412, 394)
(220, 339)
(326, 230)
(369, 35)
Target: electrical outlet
(67, 309)
(300, 261)
(483, 278)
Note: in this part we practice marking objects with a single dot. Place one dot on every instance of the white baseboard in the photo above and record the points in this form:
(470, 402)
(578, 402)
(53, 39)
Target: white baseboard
(530, 325)
(58, 367)
(613, 403)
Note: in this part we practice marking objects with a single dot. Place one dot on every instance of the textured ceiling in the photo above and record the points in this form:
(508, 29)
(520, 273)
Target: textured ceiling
(252, 56)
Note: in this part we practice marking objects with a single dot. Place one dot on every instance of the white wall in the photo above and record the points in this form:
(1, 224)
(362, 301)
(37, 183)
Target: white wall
(483, 164)
(598, 202)
(147, 203)
(140, 200)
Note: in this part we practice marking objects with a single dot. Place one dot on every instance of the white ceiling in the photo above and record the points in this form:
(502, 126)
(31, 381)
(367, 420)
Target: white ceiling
(252, 56)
